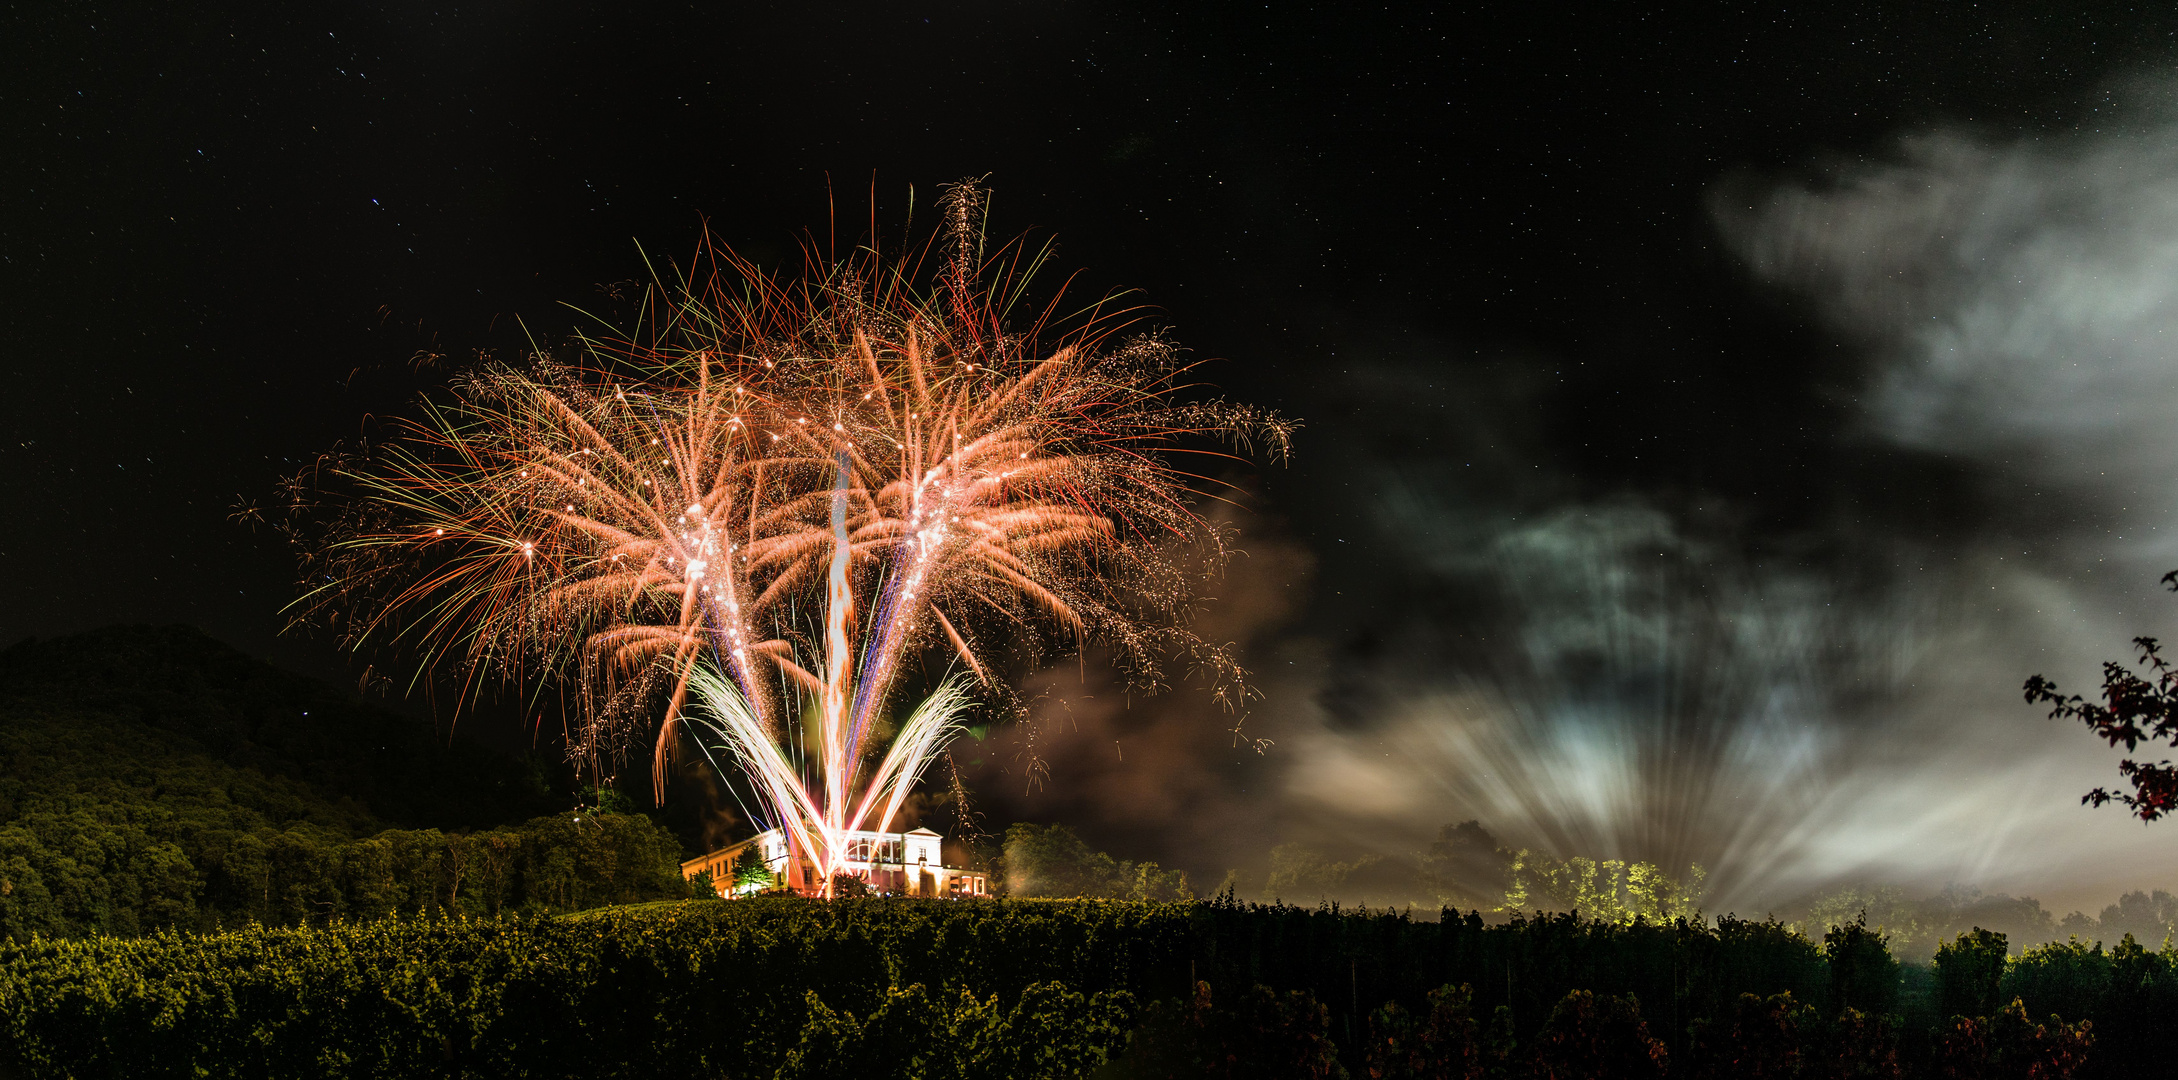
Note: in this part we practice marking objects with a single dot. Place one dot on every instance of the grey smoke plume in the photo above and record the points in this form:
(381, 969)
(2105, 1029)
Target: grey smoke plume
(2025, 299)
(2022, 302)
(1630, 677)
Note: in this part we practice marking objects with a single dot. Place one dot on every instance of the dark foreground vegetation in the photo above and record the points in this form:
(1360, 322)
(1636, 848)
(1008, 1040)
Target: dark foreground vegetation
(781, 987)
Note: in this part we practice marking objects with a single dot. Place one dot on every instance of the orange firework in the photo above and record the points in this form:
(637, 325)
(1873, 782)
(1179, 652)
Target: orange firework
(778, 495)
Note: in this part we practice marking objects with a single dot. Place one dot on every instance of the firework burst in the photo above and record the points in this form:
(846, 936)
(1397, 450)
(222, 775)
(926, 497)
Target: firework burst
(761, 505)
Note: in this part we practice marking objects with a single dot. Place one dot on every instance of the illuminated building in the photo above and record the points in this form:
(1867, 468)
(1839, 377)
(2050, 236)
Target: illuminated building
(894, 864)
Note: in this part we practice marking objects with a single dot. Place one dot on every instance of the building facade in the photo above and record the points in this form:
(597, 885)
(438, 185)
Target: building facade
(894, 864)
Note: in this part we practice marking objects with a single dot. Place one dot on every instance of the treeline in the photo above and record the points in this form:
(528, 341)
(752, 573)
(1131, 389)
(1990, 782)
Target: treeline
(565, 862)
(1051, 861)
(899, 988)
(153, 778)
(1916, 927)
(1467, 869)
(1464, 870)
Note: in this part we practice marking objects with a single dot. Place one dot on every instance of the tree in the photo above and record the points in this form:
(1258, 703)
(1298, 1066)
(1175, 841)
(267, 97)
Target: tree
(2151, 918)
(1969, 972)
(1050, 860)
(1882, 909)
(1863, 975)
(2135, 708)
(1612, 891)
(753, 877)
(1304, 872)
(1466, 868)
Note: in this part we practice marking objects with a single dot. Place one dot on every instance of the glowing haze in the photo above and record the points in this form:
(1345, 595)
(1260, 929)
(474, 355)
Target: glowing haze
(1843, 704)
(1645, 674)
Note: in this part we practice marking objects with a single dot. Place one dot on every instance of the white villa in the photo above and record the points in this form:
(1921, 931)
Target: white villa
(899, 864)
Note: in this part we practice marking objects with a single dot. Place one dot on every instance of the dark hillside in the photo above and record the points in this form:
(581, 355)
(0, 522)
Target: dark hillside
(169, 713)
(151, 776)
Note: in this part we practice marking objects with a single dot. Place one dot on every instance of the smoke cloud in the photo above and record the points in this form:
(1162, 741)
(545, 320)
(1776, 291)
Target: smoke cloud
(1643, 675)
(2021, 303)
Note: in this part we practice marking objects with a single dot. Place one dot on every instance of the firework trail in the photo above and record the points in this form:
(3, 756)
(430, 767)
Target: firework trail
(769, 497)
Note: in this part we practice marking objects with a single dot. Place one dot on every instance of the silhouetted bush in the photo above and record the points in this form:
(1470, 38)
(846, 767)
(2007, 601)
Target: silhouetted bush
(1445, 1043)
(2009, 1046)
(1968, 973)
(1863, 975)
(1856, 1046)
(1588, 1037)
(914, 1035)
(1265, 1035)
(2128, 992)
(1762, 1039)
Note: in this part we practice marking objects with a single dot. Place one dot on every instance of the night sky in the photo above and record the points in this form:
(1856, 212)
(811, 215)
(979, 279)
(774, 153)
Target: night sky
(1713, 413)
